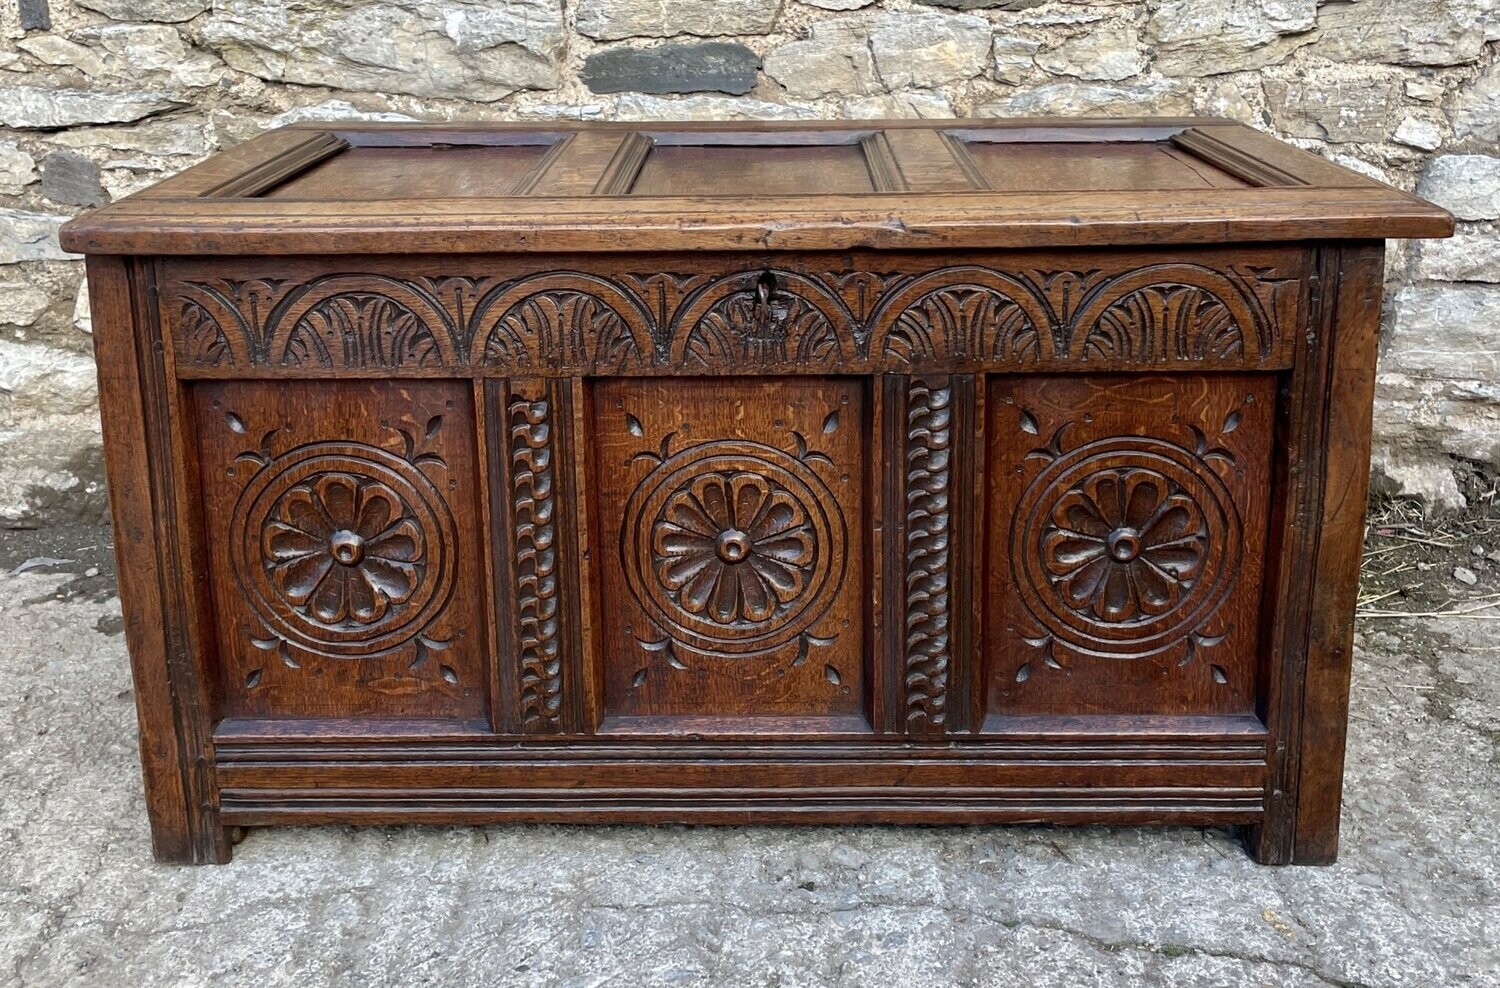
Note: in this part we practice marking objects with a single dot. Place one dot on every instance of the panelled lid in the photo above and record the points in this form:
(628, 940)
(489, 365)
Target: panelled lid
(374, 188)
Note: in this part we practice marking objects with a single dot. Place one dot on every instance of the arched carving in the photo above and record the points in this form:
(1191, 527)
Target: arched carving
(962, 313)
(561, 320)
(362, 321)
(220, 323)
(626, 322)
(763, 317)
(203, 341)
(1168, 312)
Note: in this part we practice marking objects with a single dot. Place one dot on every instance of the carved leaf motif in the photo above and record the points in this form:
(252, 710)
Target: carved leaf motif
(361, 329)
(593, 323)
(203, 340)
(564, 328)
(1165, 322)
(964, 321)
(746, 328)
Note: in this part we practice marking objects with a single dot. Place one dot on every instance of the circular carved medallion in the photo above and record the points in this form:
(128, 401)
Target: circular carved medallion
(343, 549)
(732, 547)
(1123, 546)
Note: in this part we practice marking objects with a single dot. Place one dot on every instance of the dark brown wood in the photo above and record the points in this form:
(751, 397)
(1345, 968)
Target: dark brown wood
(720, 472)
(1124, 578)
(175, 702)
(731, 517)
(674, 314)
(1310, 606)
(1209, 147)
(350, 538)
(273, 172)
(783, 186)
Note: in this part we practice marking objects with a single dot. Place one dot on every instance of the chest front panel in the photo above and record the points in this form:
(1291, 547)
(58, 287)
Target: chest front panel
(802, 494)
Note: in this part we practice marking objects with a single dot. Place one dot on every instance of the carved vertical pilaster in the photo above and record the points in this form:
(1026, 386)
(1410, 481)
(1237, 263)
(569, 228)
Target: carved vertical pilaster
(529, 416)
(927, 553)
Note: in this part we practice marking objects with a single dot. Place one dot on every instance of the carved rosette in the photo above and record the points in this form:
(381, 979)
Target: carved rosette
(534, 538)
(343, 550)
(1123, 548)
(1126, 543)
(729, 548)
(735, 547)
(928, 452)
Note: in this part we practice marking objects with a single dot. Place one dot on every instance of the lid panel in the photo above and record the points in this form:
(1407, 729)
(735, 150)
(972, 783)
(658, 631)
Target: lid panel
(685, 170)
(1094, 167)
(750, 185)
(436, 172)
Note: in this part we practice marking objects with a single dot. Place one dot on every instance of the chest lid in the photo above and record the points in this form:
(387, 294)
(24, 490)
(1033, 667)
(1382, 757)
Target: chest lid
(404, 188)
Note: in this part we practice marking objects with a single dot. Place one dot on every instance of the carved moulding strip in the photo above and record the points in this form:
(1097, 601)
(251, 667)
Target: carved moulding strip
(926, 551)
(793, 315)
(529, 422)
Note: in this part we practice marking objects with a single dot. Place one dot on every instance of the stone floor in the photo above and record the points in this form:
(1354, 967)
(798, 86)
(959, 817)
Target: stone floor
(1415, 899)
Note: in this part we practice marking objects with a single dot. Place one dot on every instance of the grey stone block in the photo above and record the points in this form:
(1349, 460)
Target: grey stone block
(709, 67)
(68, 177)
(984, 4)
(34, 15)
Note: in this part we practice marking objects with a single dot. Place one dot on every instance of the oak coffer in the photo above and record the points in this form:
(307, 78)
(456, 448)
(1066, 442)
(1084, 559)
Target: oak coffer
(894, 472)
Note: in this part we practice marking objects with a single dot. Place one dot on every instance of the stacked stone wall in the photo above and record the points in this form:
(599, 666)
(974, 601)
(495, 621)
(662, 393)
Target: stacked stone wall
(99, 98)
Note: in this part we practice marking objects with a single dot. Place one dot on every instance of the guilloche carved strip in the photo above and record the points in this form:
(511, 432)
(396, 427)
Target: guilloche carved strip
(928, 530)
(534, 545)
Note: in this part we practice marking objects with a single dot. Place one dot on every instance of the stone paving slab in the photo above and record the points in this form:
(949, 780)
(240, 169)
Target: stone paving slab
(1415, 899)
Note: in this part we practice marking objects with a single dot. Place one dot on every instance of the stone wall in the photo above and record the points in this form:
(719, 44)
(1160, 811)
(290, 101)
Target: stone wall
(99, 98)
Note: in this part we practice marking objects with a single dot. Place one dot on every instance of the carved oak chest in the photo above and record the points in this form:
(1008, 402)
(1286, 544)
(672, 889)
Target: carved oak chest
(902, 472)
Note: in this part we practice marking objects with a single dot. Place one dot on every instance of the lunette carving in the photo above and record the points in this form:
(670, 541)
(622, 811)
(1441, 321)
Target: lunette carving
(594, 323)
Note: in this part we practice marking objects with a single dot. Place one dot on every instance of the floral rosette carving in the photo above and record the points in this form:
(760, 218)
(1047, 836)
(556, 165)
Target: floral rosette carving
(343, 549)
(731, 548)
(1124, 547)
(1123, 544)
(734, 547)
